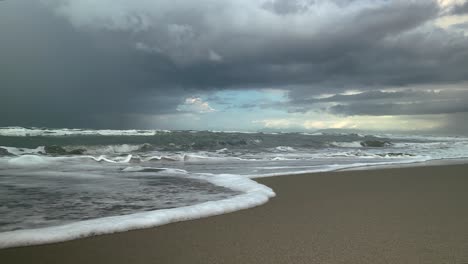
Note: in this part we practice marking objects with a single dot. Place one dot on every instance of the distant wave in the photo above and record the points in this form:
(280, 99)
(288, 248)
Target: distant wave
(88, 182)
(48, 132)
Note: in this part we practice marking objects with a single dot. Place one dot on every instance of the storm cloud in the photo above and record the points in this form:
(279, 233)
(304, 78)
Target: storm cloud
(460, 9)
(100, 63)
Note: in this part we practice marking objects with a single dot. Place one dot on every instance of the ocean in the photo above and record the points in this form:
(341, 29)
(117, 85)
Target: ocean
(63, 184)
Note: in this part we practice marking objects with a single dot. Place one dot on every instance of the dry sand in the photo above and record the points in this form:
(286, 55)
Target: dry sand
(408, 215)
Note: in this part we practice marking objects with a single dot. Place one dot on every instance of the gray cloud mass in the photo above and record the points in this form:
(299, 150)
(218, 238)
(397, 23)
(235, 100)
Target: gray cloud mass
(460, 9)
(97, 63)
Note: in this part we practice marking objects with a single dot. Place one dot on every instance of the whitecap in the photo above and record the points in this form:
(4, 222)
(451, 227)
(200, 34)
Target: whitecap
(112, 160)
(28, 161)
(285, 148)
(354, 144)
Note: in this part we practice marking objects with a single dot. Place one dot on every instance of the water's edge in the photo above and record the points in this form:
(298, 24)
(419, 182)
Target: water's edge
(63, 184)
(256, 194)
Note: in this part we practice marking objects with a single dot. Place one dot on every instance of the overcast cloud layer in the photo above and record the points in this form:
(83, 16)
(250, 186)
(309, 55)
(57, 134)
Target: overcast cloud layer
(107, 63)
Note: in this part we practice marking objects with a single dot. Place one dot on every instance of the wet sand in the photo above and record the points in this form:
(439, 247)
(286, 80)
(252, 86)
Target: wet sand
(399, 215)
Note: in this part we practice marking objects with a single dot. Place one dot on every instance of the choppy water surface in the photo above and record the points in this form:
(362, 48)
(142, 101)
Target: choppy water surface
(43, 199)
(52, 178)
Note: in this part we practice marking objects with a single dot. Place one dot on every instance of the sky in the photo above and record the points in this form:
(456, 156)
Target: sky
(235, 65)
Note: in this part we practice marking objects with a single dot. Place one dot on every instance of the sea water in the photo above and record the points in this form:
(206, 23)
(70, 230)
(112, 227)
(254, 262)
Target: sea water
(62, 184)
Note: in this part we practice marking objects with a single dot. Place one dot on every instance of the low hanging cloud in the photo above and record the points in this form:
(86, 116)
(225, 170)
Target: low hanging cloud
(99, 61)
(286, 32)
(460, 9)
(195, 105)
(380, 103)
(431, 108)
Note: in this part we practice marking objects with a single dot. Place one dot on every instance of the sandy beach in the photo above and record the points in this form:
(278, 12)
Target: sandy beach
(399, 215)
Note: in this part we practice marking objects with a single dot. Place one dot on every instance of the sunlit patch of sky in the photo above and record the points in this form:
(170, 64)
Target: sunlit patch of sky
(230, 108)
(235, 99)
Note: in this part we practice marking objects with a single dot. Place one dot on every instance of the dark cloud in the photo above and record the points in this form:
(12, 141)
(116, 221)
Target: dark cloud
(54, 75)
(460, 9)
(71, 63)
(382, 96)
(379, 103)
(426, 108)
(284, 7)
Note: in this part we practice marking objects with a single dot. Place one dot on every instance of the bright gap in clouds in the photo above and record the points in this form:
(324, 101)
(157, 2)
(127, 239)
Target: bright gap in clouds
(267, 109)
(377, 123)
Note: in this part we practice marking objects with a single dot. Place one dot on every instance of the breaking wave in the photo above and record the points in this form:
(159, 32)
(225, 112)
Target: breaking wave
(62, 184)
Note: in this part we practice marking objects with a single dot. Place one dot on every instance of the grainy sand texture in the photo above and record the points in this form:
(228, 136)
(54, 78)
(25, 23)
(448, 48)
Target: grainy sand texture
(401, 215)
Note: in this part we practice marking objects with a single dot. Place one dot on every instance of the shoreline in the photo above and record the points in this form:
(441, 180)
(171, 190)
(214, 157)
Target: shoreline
(427, 163)
(370, 166)
(255, 195)
(396, 215)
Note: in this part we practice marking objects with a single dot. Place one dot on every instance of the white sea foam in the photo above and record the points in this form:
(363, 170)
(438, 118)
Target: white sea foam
(283, 158)
(192, 158)
(167, 171)
(254, 194)
(163, 158)
(28, 161)
(91, 150)
(204, 158)
(110, 149)
(337, 167)
(354, 144)
(106, 163)
(22, 151)
(285, 149)
(23, 132)
(423, 138)
(113, 160)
